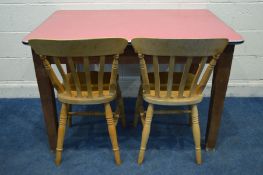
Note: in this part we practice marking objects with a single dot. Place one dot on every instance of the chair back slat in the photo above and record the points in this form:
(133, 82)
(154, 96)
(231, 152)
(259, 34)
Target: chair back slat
(201, 86)
(81, 80)
(156, 76)
(184, 76)
(63, 75)
(144, 74)
(100, 76)
(87, 76)
(197, 75)
(170, 76)
(52, 76)
(75, 76)
(195, 51)
(114, 73)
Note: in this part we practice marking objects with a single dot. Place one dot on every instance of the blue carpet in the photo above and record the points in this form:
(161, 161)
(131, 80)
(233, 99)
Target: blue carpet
(87, 148)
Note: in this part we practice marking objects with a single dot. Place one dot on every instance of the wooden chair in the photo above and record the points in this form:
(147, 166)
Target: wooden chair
(84, 87)
(174, 88)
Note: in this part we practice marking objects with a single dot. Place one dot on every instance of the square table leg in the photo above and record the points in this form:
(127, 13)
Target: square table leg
(47, 96)
(218, 93)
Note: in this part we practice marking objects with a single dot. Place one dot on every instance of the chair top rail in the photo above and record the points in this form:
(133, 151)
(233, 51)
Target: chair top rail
(79, 48)
(179, 47)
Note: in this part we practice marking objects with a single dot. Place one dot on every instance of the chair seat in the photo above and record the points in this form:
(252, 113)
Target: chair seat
(174, 100)
(96, 99)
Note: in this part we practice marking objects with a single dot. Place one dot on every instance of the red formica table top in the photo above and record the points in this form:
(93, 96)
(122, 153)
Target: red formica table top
(129, 24)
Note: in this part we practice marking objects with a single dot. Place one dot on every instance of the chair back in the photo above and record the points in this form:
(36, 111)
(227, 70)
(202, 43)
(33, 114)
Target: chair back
(195, 51)
(81, 51)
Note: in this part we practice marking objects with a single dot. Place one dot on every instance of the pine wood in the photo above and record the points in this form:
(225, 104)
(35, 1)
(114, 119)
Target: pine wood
(78, 48)
(114, 71)
(168, 112)
(145, 79)
(75, 76)
(170, 76)
(197, 75)
(146, 132)
(61, 133)
(156, 76)
(87, 87)
(112, 133)
(87, 76)
(184, 77)
(120, 107)
(138, 107)
(54, 79)
(69, 122)
(87, 113)
(207, 74)
(196, 134)
(101, 73)
(213, 27)
(179, 47)
(168, 90)
(63, 74)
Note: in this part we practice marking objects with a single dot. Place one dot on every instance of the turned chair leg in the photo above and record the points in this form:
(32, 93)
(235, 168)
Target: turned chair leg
(69, 109)
(61, 133)
(146, 132)
(196, 134)
(138, 107)
(120, 106)
(190, 116)
(112, 133)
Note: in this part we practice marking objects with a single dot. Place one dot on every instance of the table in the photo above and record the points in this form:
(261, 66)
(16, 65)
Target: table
(173, 24)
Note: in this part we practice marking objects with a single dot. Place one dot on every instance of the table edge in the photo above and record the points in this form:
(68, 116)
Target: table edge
(129, 42)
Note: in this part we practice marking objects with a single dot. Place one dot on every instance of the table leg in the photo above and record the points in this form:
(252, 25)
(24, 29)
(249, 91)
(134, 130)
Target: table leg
(48, 102)
(218, 92)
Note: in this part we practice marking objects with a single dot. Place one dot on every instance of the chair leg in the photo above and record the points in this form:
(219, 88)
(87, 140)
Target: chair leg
(61, 133)
(138, 107)
(190, 117)
(196, 134)
(146, 132)
(120, 106)
(112, 133)
(69, 108)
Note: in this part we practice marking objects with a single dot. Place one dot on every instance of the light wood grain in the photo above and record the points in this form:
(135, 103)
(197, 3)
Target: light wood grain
(114, 73)
(87, 76)
(112, 133)
(75, 76)
(156, 76)
(170, 76)
(69, 108)
(174, 88)
(146, 132)
(52, 76)
(196, 134)
(63, 75)
(197, 75)
(184, 77)
(84, 87)
(101, 73)
(201, 86)
(121, 107)
(179, 47)
(61, 133)
(144, 72)
(138, 106)
(79, 48)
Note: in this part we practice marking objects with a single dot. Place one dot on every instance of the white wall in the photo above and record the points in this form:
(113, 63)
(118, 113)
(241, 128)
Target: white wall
(19, 17)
